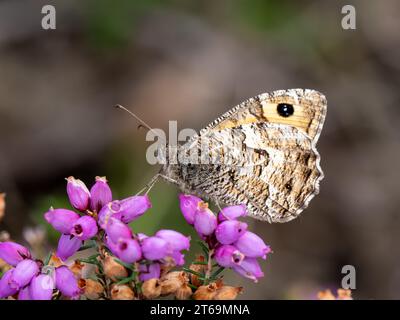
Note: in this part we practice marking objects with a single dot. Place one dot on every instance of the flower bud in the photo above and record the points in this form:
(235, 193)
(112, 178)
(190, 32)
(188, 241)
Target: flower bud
(67, 246)
(232, 212)
(76, 268)
(116, 230)
(24, 294)
(78, 194)
(128, 250)
(148, 272)
(122, 292)
(113, 269)
(5, 288)
(176, 240)
(133, 207)
(41, 287)
(184, 292)
(228, 293)
(23, 273)
(151, 289)
(154, 248)
(228, 256)
(205, 222)
(251, 245)
(84, 228)
(100, 194)
(67, 283)
(189, 205)
(61, 219)
(249, 268)
(13, 253)
(205, 292)
(92, 289)
(229, 231)
(172, 281)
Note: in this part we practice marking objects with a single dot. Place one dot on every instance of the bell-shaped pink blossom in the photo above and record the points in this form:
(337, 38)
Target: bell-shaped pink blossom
(205, 222)
(249, 268)
(24, 294)
(109, 210)
(232, 212)
(67, 283)
(67, 246)
(78, 193)
(23, 273)
(128, 250)
(229, 231)
(133, 207)
(116, 230)
(5, 289)
(41, 287)
(227, 256)
(61, 219)
(100, 194)
(150, 271)
(179, 258)
(189, 205)
(176, 240)
(13, 253)
(252, 246)
(154, 248)
(84, 228)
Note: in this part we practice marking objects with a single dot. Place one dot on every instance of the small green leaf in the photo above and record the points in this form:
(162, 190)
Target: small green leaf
(90, 245)
(216, 273)
(193, 272)
(48, 257)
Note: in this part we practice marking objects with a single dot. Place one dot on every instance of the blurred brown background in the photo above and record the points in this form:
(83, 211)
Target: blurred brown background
(190, 61)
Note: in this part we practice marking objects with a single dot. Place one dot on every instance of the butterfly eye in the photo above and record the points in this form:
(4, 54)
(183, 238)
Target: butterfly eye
(285, 109)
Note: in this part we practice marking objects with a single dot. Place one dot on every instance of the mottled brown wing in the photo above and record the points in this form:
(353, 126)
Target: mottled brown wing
(309, 111)
(272, 168)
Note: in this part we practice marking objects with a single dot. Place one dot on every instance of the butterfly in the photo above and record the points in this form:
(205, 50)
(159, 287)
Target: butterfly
(262, 153)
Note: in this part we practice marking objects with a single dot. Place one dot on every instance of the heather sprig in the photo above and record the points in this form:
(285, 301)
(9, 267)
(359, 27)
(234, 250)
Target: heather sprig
(127, 264)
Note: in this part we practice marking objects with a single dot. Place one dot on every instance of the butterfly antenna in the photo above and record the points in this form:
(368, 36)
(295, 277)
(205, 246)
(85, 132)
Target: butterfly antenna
(142, 122)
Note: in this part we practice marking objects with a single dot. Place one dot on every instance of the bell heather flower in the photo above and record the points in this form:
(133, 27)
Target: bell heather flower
(78, 193)
(116, 229)
(205, 222)
(230, 231)
(100, 194)
(151, 271)
(176, 240)
(24, 294)
(84, 228)
(61, 219)
(154, 248)
(5, 288)
(133, 207)
(128, 250)
(41, 287)
(189, 205)
(251, 245)
(232, 212)
(67, 246)
(250, 269)
(23, 273)
(227, 256)
(66, 282)
(13, 253)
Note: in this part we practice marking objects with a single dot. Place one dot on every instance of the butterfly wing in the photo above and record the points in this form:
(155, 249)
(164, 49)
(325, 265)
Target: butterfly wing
(309, 114)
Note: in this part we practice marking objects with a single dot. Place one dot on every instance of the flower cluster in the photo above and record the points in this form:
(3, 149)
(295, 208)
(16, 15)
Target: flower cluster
(229, 242)
(31, 279)
(131, 265)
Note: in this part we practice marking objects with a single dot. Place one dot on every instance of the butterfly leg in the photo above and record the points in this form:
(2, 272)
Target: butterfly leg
(153, 181)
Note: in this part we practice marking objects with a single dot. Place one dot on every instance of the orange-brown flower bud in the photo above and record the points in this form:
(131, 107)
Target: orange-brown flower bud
(184, 292)
(91, 289)
(228, 293)
(122, 292)
(151, 288)
(55, 261)
(197, 268)
(77, 268)
(172, 281)
(206, 292)
(326, 295)
(344, 294)
(113, 269)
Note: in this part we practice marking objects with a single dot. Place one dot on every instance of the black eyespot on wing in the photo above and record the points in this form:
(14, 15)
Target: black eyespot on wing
(285, 109)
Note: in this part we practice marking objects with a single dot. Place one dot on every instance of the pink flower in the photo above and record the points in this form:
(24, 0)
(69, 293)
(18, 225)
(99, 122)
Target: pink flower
(228, 256)
(5, 289)
(189, 205)
(230, 231)
(61, 219)
(13, 253)
(250, 269)
(84, 228)
(23, 273)
(41, 287)
(205, 222)
(100, 194)
(128, 250)
(78, 193)
(232, 212)
(252, 246)
(133, 207)
(67, 283)
(67, 246)
(149, 271)
(116, 230)
(154, 248)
